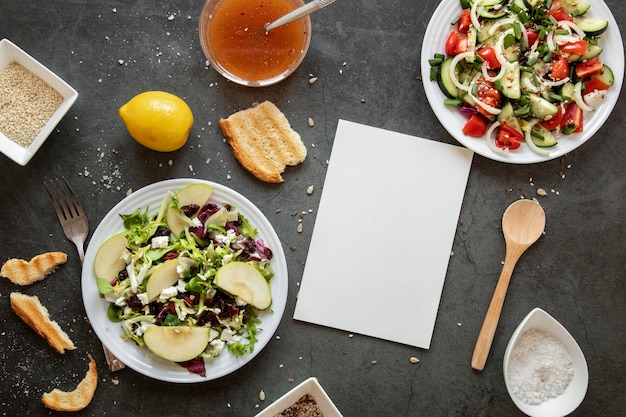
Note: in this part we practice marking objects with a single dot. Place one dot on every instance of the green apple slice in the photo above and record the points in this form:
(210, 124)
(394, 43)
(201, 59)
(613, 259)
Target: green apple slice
(191, 194)
(246, 282)
(164, 275)
(177, 343)
(108, 261)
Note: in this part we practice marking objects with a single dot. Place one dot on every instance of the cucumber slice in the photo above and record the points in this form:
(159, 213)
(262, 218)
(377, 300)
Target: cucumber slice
(567, 91)
(510, 82)
(592, 27)
(546, 140)
(444, 80)
(472, 35)
(575, 7)
(531, 4)
(488, 3)
(606, 76)
(507, 116)
(488, 13)
(541, 108)
(529, 83)
(592, 51)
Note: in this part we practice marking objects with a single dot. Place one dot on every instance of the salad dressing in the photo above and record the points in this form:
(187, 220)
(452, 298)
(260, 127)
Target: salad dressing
(243, 47)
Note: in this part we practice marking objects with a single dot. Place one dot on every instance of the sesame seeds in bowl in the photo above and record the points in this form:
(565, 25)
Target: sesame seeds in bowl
(545, 370)
(33, 99)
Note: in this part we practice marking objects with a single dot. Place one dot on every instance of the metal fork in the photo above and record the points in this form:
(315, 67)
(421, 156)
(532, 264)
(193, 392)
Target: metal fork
(76, 228)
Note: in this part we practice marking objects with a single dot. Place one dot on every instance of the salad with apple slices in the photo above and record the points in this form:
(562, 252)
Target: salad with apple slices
(523, 70)
(187, 282)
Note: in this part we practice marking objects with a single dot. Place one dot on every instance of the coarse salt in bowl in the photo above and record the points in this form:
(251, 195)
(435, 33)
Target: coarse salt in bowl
(561, 360)
(12, 54)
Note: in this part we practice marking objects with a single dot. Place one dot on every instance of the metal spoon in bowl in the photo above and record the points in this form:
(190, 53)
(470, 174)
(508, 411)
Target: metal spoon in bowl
(523, 223)
(298, 13)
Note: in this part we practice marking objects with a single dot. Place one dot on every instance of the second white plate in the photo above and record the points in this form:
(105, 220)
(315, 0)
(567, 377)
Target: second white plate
(453, 121)
(140, 359)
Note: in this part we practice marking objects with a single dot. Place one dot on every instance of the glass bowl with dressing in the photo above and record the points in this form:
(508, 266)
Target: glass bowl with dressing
(235, 42)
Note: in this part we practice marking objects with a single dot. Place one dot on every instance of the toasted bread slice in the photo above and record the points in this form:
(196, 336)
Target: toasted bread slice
(22, 272)
(30, 309)
(74, 400)
(263, 141)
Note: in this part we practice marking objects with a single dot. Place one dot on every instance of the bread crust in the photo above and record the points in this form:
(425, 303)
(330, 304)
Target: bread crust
(79, 398)
(33, 313)
(263, 142)
(23, 272)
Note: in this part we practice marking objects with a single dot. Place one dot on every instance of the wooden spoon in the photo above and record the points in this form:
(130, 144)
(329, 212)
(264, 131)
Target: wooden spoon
(523, 223)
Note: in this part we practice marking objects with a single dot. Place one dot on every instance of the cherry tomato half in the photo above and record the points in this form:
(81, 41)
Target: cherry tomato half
(594, 84)
(487, 94)
(508, 137)
(554, 121)
(556, 11)
(456, 43)
(465, 21)
(559, 68)
(589, 68)
(575, 48)
(532, 35)
(572, 119)
(476, 126)
(489, 55)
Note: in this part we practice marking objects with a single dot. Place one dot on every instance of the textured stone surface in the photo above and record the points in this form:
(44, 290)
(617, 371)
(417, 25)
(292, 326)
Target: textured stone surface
(365, 56)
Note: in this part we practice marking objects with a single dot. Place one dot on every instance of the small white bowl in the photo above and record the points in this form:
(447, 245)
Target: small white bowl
(10, 53)
(312, 387)
(575, 392)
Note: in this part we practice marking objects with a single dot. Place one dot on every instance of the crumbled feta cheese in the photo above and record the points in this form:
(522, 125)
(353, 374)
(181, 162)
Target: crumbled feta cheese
(228, 335)
(141, 329)
(143, 297)
(217, 346)
(167, 293)
(196, 221)
(160, 242)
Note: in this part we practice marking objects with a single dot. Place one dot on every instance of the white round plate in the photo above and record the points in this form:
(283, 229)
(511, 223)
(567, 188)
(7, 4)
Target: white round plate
(140, 359)
(453, 121)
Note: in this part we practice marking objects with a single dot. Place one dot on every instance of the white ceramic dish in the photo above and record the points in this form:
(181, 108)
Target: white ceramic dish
(140, 359)
(453, 121)
(10, 53)
(577, 388)
(312, 387)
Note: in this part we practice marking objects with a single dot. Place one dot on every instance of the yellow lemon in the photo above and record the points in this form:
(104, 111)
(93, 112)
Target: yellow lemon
(158, 120)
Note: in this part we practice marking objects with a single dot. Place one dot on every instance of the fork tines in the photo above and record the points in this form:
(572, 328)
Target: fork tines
(64, 200)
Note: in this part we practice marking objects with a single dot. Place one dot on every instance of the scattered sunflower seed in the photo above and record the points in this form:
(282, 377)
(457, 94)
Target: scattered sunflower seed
(262, 395)
(311, 122)
(300, 228)
(312, 80)
(414, 359)
(541, 192)
(309, 190)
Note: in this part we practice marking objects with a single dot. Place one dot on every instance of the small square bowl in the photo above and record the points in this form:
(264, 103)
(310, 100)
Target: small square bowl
(575, 392)
(10, 53)
(312, 387)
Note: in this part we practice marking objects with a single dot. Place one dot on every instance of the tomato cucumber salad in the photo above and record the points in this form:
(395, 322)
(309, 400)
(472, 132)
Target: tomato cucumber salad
(188, 281)
(523, 70)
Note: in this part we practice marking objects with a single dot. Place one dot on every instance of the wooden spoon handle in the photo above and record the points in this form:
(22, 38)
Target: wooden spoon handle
(488, 330)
